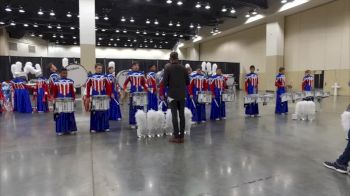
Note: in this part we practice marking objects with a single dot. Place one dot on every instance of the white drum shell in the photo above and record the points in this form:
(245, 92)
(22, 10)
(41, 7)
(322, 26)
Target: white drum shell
(64, 105)
(140, 99)
(100, 103)
(204, 97)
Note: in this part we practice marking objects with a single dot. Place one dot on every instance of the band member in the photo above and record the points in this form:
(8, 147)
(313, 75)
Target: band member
(163, 95)
(307, 84)
(41, 92)
(217, 87)
(152, 86)
(114, 110)
(280, 83)
(138, 84)
(251, 87)
(198, 84)
(98, 84)
(54, 76)
(64, 88)
(21, 98)
(2, 99)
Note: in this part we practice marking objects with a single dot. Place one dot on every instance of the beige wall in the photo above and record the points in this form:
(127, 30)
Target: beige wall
(247, 47)
(319, 39)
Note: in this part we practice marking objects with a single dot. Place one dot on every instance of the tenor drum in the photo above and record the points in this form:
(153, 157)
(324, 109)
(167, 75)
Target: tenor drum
(248, 99)
(308, 94)
(78, 74)
(228, 96)
(100, 103)
(139, 99)
(64, 105)
(204, 97)
(286, 97)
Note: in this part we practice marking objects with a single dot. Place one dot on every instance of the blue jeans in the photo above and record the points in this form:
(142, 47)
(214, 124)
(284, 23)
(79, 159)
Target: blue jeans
(345, 157)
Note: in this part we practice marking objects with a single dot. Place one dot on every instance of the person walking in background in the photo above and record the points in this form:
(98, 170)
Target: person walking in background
(176, 79)
(217, 87)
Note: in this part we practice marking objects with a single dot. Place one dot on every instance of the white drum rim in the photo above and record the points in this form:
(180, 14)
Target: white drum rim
(76, 85)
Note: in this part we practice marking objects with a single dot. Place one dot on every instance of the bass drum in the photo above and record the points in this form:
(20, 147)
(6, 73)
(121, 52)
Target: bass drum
(121, 78)
(230, 80)
(78, 74)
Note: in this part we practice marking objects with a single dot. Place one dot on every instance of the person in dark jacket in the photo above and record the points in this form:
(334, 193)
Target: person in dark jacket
(176, 79)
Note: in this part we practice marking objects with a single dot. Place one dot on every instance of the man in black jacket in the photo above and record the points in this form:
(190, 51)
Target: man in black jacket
(176, 79)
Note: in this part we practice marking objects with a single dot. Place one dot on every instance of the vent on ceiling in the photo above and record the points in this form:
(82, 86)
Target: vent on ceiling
(31, 49)
(13, 46)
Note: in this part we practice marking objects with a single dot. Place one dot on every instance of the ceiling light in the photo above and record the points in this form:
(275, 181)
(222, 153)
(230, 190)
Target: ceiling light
(32, 35)
(254, 12)
(181, 35)
(171, 24)
(191, 26)
(284, 1)
(100, 38)
(178, 24)
(21, 10)
(25, 25)
(40, 12)
(8, 9)
(72, 28)
(118, 39)
(117, 30)
(132, 20)
(140, 45)
(109, 44)
(160, 46)
(111, 39)
(57, 42)
(2, 23)
(146, 46)
(145, 41)
(40, 35)
(58, 26)
(125, 31)
(54, 36)
(130, 45)
(169, 1)
(75, 43)
(179, 3)
(98, 43)
(69, 15)
(175, 35)
(166, 42)
(35, 25)
(156, 22)
(233, 10)
(198, 5)
(12, 23)
(96, 29)
(148, 21)
(199, 26)
(106, 17)
(224, 9)
(125, 45)
(151, 41)
(96, 17)
(207, 6)
(129, 40)
(61, 36)
(137, 32)
(115, 44)
(247, 15)
(144, 32)
(163, 34)
(74, 37)
(123, 19)
(155, 46)
(103, 30)
(52, 13)
(157, 33)
(78, 16)
(135, 40)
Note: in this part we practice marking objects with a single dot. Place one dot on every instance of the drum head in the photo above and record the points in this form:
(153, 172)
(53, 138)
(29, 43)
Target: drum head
(78, 74)
(121, 78)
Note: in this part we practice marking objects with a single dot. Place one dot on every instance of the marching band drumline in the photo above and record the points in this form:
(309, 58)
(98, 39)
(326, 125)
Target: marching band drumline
(103, 94)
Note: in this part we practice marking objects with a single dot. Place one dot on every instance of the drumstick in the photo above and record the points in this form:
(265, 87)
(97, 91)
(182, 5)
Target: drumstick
(116, 101)
(194, 105)
(216, 102)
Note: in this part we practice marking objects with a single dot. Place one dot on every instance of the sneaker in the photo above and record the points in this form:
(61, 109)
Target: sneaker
(133, 126)
(107, 130)
(119, 119)
(59, 134)
(217, 119)
(203, 121)
(335, 166)
(73, 132)
(92, 131)
(252, 116)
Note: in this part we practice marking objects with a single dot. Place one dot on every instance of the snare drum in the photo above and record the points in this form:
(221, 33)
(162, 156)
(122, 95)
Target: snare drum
(100, 103)
(286, 97)
(139, 99)
(64, 105)
(204, 97)
(228, 96)
(248, 99)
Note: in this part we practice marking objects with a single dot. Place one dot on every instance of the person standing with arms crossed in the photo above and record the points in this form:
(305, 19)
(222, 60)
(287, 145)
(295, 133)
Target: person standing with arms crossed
(176, 79)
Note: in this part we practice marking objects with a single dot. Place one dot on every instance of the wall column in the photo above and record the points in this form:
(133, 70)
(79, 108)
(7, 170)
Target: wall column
(274, 50)
(4, 49)
(87, 33)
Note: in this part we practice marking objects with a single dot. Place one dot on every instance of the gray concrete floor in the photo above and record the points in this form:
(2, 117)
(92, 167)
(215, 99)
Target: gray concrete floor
(271, 155)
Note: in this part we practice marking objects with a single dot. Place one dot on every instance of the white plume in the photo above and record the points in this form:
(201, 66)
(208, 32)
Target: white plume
(209, 68)
(188, 120)
(111, 64)
(215, 67)
(65, 62)
(160, 122)
(151, 122)
(204, 66)
(141, 122)
(168, 130)
(187, 66)
(38, 69)
(345, 120)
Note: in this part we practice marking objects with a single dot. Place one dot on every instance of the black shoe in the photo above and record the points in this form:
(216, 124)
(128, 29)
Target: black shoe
(335, 166)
